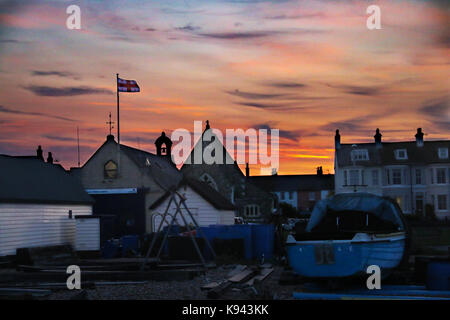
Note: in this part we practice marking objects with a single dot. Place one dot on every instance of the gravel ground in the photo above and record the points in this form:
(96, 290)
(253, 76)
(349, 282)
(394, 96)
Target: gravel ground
(180, 290)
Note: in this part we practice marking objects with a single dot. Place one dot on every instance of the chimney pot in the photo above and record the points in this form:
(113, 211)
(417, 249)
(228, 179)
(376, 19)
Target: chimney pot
(377, 137)
(337, 140)
(247, 170)
(50, 158)
(39, 153)
(419, 137)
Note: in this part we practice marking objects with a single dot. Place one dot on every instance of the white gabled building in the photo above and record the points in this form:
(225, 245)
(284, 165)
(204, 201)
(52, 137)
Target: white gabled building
(206, 204)
(38, 204)
(414, 173)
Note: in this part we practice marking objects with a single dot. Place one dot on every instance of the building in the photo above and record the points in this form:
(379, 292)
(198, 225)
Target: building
(300, 191)
(38, 204)
(251, 202)
(126, 181)
(206, 204)
(414, 173)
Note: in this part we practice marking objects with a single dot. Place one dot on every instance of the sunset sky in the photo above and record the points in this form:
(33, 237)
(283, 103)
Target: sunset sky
(306, 67)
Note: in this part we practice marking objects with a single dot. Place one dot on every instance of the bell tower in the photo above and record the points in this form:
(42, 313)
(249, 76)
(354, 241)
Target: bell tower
(163, 146)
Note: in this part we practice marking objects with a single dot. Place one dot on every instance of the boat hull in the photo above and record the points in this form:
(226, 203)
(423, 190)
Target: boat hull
(346, 258)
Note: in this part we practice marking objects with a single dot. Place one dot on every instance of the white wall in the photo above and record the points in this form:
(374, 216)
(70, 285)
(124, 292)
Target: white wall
(34, 225)
(87, 234)
(204, 213)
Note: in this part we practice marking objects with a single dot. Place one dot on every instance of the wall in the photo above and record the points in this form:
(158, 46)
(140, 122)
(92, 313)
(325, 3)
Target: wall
(204, 213)
(33, 225)
(87, 234)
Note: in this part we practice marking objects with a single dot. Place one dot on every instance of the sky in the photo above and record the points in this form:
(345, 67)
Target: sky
(305, 67)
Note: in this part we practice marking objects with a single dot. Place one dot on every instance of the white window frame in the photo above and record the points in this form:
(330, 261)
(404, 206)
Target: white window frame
(375, 177)
(443, 153)
(397, 154)
(437, 175)
(446, 202)
(359, 155)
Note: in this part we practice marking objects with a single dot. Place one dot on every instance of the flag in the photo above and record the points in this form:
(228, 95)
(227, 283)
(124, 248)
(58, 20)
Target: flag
(127, 85)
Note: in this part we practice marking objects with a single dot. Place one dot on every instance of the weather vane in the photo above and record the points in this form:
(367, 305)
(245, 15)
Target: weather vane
(110, 123)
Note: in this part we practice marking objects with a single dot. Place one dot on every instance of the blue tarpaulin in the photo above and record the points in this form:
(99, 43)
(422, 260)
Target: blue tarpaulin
(366, 202)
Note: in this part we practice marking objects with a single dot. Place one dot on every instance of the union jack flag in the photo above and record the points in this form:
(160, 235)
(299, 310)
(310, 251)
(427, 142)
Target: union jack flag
(127, 85)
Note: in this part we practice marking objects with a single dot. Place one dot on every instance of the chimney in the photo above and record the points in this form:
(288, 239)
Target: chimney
(377, 137)
(319, 171)
(110, 137)
(207, 127)
(49, 158)
(247, 170)
(337, 140)
(39, 153)
(419, 137)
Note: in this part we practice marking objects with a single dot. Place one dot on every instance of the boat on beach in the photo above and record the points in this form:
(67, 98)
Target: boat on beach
(346, 234)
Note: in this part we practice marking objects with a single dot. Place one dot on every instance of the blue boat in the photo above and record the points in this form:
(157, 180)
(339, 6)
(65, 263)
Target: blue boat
(348, 233)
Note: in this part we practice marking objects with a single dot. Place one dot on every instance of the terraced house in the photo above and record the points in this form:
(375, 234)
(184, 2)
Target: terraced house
(414, 173)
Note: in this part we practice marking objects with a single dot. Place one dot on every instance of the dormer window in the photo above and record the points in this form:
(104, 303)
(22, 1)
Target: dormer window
(110, 170)
(359, 154)
(401, 154)
(443, 153)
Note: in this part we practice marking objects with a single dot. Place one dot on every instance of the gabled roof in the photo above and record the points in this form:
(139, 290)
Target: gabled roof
(205, 191)
(30, 180)
(385, 154)
(300, 182)
(163, 171)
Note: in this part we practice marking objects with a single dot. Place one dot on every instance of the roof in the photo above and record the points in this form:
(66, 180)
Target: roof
(163, 171)
(205, 191)
(30, 180)
(301, 182)
(385, 155)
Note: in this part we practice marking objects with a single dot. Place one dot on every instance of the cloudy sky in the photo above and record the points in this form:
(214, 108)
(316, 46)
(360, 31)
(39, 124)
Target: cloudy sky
(306, 67)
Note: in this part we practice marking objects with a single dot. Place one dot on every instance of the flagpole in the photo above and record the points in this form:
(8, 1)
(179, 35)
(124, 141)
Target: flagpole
(118, 116)
(118, 126)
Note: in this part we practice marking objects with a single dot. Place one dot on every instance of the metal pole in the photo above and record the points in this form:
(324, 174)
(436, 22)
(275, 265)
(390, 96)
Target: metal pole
(118, 115)
(198, 227)
(156, 234)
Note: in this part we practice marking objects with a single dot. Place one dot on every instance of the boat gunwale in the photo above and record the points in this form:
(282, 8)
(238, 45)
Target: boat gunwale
(397, 236)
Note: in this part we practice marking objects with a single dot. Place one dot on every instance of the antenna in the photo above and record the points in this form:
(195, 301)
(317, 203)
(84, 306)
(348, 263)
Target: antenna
(78, 143)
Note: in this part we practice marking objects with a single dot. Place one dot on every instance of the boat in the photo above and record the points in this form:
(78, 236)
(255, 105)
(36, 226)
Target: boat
(346, 234)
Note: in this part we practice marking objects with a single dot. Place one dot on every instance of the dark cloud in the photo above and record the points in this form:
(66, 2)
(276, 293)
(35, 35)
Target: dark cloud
(189, 27)
(438, 113)
(292, 135)
(286, 85)
(252, 95)
(62, 74)
(150, 29)
(66, 91)
(59, 138)
(9, 41)
(39, 114)
(261, 105)
(296, 16)
(237, 35)
(358, 90)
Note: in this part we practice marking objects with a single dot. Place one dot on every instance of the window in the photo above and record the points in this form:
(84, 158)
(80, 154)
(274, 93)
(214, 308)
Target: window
(400, 154)
(282, 195)
(252, 210)
(440, 175)
(359, 154)
(345, 178)
(375, 177)
(311, 196)
(442, 202)
(110, 170)
(443, 153)
(431, 176)
(396, 176)
(354, 177)
(419, 203)
(291, 195)
(418, 176)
